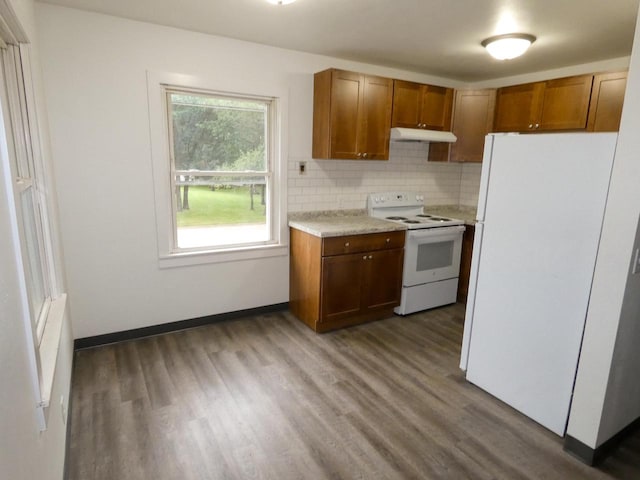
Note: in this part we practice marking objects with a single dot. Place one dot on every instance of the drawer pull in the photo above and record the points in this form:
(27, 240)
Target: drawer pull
(388, 240)
(370, 257)
(346, 244)
(364, 257)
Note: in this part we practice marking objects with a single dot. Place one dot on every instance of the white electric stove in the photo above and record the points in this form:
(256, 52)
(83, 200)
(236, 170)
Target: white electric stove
(432, 250)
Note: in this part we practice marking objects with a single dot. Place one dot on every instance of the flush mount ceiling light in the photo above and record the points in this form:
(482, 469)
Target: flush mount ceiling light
(506, 47)
(281, 2)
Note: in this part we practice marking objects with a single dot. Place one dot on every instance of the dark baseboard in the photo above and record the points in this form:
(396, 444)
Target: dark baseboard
(594, 456)
(135, 333)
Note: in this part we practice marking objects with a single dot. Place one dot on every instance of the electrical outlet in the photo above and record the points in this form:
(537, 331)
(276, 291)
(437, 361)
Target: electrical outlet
(63, 410)
(636, 262)
(302, 168)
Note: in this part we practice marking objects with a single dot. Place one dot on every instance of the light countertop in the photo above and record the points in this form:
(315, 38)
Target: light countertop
(461, 212)
(336, 223)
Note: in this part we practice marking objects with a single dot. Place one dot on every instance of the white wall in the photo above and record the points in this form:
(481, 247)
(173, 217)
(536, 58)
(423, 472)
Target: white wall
(611, 65)
(607, 391)
(26, 453)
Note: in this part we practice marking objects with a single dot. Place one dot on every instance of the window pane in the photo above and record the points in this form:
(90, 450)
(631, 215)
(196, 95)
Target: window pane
(210, 134)
(214, 133)
(34, 272)
(211, 212)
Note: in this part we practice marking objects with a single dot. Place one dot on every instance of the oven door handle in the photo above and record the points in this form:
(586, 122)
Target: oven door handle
(435, 232)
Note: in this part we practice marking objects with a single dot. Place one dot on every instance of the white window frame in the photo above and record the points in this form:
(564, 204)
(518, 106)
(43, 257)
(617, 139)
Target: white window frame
(25, 151)
(20, 145)
(168, 256)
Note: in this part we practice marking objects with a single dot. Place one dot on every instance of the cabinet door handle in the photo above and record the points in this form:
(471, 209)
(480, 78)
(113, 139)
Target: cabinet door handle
(370, 257)
(364, 155)
(359, 155)
(537, 125)
(364, 257)
(531, 125)
(388, 240)
(346, 244)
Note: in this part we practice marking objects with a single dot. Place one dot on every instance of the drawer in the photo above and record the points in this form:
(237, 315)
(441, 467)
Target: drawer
(362, 243)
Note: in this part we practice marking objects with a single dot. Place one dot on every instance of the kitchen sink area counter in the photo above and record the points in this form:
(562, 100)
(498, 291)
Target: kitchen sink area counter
(337, 223)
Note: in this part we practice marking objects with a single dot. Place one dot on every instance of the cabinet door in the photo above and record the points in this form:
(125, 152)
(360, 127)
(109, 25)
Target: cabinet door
(472, 121)
(607, 97)
(347, 90)
(342, 286)
(566, 103)
(518, 107)
(436, 107)
(375, 122)
(406, 104)
(383, 271)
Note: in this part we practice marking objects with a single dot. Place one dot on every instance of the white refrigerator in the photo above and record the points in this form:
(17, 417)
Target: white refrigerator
(540, 212)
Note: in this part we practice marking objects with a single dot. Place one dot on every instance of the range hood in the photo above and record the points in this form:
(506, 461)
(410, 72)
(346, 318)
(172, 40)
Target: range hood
(419, 135)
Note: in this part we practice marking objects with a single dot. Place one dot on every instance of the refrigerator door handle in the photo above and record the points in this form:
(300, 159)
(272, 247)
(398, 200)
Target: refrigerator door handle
(471, 296)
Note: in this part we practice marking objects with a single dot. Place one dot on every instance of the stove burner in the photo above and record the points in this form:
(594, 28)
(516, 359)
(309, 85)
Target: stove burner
(396, 218)
(423, 215)
(439, 219)
(411, 221)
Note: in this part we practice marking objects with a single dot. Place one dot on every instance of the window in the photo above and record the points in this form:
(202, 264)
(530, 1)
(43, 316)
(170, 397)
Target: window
(221, 175)
(218, 177)
(29, 192)
(27, 188)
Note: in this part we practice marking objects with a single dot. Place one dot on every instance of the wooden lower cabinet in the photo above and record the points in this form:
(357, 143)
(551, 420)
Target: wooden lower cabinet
(465, 263)
(341, 281)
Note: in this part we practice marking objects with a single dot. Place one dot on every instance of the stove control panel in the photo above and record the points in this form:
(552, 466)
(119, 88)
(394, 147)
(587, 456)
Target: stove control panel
(396, 199)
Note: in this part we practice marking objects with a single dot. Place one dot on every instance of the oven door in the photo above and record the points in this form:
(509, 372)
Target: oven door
(432, 255)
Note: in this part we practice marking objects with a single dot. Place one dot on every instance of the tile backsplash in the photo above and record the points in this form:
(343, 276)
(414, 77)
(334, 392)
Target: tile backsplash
(345, 184)
(470, 183)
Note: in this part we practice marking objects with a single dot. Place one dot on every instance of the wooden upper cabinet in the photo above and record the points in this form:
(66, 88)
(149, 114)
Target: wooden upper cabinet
(561, 104)
(377, 107)
(351, 115)
(518, 107)
(607, 97)
(473, 112)
(565, 105)
(416, 105)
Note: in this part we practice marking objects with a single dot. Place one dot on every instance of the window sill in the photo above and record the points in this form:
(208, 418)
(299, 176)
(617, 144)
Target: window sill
(222, 256)
(48, 350)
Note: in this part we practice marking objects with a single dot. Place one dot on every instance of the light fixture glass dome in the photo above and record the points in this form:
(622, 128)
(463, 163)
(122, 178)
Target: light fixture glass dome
(506, 47)
(281, 2)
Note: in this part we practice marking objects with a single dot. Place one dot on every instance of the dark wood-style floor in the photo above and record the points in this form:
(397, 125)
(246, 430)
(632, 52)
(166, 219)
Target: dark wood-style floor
(265, 397)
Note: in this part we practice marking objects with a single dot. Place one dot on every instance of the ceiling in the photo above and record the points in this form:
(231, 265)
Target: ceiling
(435, 37)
